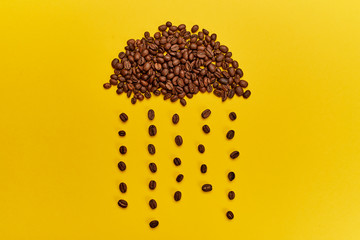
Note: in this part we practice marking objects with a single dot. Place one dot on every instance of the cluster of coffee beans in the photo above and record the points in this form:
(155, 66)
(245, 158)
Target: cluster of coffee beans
(176, 63)
(178, 141)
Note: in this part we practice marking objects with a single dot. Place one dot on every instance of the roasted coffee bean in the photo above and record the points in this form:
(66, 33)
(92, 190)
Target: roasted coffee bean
(151, 149)
(183, 102)
(247, 94)
(239, 91)
(231, 176)
(107, 85)
(203, 168)
(153, 167)
(122, 133)
(152, 184)
(206, 128)
(206, 113)
(123, 150)
(230, 134)
(154, 223)
(177, 196)
(153, 204)
(133, 100)
(234, 154)
(122, 203)
(123, 117)
(194, 28)
(201, 148)
(151, 114)
(178, 140)
(179, 178)
(175, 118)
(232, 116)
(177, 161)
(206, 187)
(230, 215)
(231, 195)
(122, 166)
(123, 187)
(243, 83)
(152, 130)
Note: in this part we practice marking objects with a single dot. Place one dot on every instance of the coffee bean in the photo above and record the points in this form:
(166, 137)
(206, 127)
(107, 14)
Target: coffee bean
(177, 161)
(154, 223)
(122, 203)
(234, 154)
(123, 150)
(152, 184)
(178, 140)
(224, 49)
(122, 166)
(231, 176)
(152, 130)
(153, 204)
(243, 83)
(183, 102)
(239, 91)
(177, 196)
(247, 94)
(194, 28)
(151, 114)
(133, 100)
(179, 178)
(232, 116)
(107, 85)
(206, 129)
(206, 113)
(151, 149)
(162, 28)
(206, 187)
(123, 187)
(123, 117)
(153, 167)
(201, 148)
(230, 134)
(203, 168)
(175, 118)
(231, 195)
(230, 215)
(122, 133)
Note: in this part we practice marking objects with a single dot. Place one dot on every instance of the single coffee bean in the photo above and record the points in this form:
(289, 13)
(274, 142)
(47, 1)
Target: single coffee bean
(177, 161)
(231, 176)
(183, 102)
(206, 129)
(234, 154)
(153, 167)
(151, 114)
(201, 148)
(230, 215)
(122, 133)
(230, 134)
(107, 85)
(179, 178)
(152, 130)
(247, 94)
(194, 28)
(177, 196)
(152, 184)
(154, 223)
(122, 166)
(123, 117)
(168, 24)
(178, 140)
(231, 195)
(175, 118)
(206, 113)
(153, 204)
(239, 91)
(243, 83)
(133, 100)
(151, 149)
(122, 203)
(123, 150)
(203, 168)
(232, 116)
(123, 187)
(206, 187)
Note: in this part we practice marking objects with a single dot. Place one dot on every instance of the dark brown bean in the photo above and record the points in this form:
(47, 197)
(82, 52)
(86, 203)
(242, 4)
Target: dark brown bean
(179, 178)
(206, 128)
(206, 187)
(123, 117)
(247, 94)
(194, 28)
(203, 168)
(123, 150)
(183, 102)
(232, 116)
(153, 167)
(243, 83)
(151, 149)
(152, 130)
(239, 91)
(122, 166)
(151, 114)
(154, 223)
(122, 203)
(206, 113)
(224, 48)
(107, 85)
(201, 148)
(230, 215)
(177, 161)
(152, 184)
(162, 28)
(122, 133)
(231, 195)
(175, 118)
(234, 154)
(177, 196)
(231, 176)
(178, 140)
(153, 204)
(123, 187)
(230, 134)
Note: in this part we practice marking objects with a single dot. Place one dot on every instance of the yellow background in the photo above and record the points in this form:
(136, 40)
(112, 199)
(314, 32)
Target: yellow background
(298, 176)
